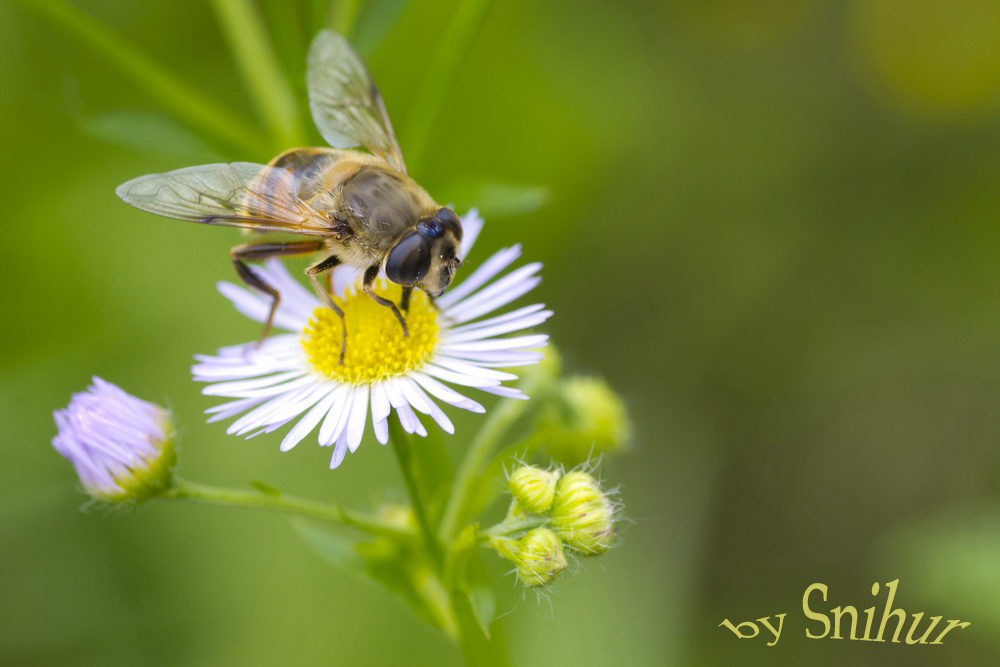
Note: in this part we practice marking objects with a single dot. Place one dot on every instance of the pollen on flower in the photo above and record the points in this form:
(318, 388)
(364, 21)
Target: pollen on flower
(376, 346)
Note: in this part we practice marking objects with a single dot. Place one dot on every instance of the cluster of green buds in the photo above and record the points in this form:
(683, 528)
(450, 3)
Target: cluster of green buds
(583, 420)
(558, 512)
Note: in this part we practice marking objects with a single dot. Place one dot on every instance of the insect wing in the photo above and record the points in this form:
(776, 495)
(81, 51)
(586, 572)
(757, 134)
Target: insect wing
(241, 194)
(345, 102)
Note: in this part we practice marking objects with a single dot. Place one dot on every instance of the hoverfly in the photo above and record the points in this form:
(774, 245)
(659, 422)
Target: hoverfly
(359, 209)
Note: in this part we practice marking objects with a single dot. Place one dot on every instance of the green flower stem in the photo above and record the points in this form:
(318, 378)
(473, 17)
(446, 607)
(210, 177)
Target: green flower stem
(510, 526)
(401, 444)
(258, 64)
(235, 498)
(478, 457)
(452, 51)
(189, 105)
(345, 14)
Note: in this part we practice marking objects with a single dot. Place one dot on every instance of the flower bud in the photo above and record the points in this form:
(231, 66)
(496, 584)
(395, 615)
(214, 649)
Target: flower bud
(582, 514)
(533, 488)
(121, 446)
(587, 420)
(539, 557)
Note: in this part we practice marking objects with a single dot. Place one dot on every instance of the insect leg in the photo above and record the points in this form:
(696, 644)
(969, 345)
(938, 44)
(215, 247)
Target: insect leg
(324, 293)
(258, 251)
(404, 302)
(370, 274)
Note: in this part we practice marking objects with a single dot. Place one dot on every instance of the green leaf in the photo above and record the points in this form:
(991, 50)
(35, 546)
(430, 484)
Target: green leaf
(398, 567)
(452, 53)
(495, 199)
(407, 573)
(149, 132)
(173, 92)
(375, 20)
(336, 546)
(478, 647)
(484, 606)
(258, 64)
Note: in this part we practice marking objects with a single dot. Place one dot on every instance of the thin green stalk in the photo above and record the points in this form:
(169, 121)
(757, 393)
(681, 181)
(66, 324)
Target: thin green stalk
(451, 54)
(345, 13)
(401, 446)
(239, 499)
(175, 95)
(261, 72)
(319, 15)
(476, 458)
(509, 526)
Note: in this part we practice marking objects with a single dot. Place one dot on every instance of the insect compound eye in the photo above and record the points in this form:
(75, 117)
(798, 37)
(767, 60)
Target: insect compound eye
(430, 228)
(448, 218)
(409, 260)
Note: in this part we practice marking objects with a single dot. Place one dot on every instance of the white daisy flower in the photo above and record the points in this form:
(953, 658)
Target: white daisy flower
(297, 377)
(120, 445)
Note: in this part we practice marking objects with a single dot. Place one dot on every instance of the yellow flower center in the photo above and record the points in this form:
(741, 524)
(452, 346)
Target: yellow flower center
(376, 346)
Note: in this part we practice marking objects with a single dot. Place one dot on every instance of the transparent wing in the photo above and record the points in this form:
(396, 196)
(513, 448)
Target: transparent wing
(345, 102)
(241, 194)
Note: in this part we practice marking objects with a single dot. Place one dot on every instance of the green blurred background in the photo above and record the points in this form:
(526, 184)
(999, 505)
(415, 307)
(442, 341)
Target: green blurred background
(772, 227)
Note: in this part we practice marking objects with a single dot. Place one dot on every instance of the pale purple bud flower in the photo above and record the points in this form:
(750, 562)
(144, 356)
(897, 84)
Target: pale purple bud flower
(121, 446)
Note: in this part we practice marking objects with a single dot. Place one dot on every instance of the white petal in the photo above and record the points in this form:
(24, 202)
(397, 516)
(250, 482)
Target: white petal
(523, 342)
(472, 224)
(415, 396)
(278, 353)
(232, 408)
(500, 357)
(500, 293)
(469, 369)
(419, 427)
(407, 418)
(302, 403)
(358, 418)
(458, 378)
(438, 415)
(510, 326)
(294, 308)
(262, 414)
(250, 352)
(338, 453)
(209, 371)
(305, 425)
(446, 393)
(382, 431)
(394, 393)
(525, 313)
(279, 409)
(268, 429)
(297, 302)
(507, 392)
(494, 265)
(238, 387)
(336, 417)
(344, 277)
(380, 403)
(256, 306)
